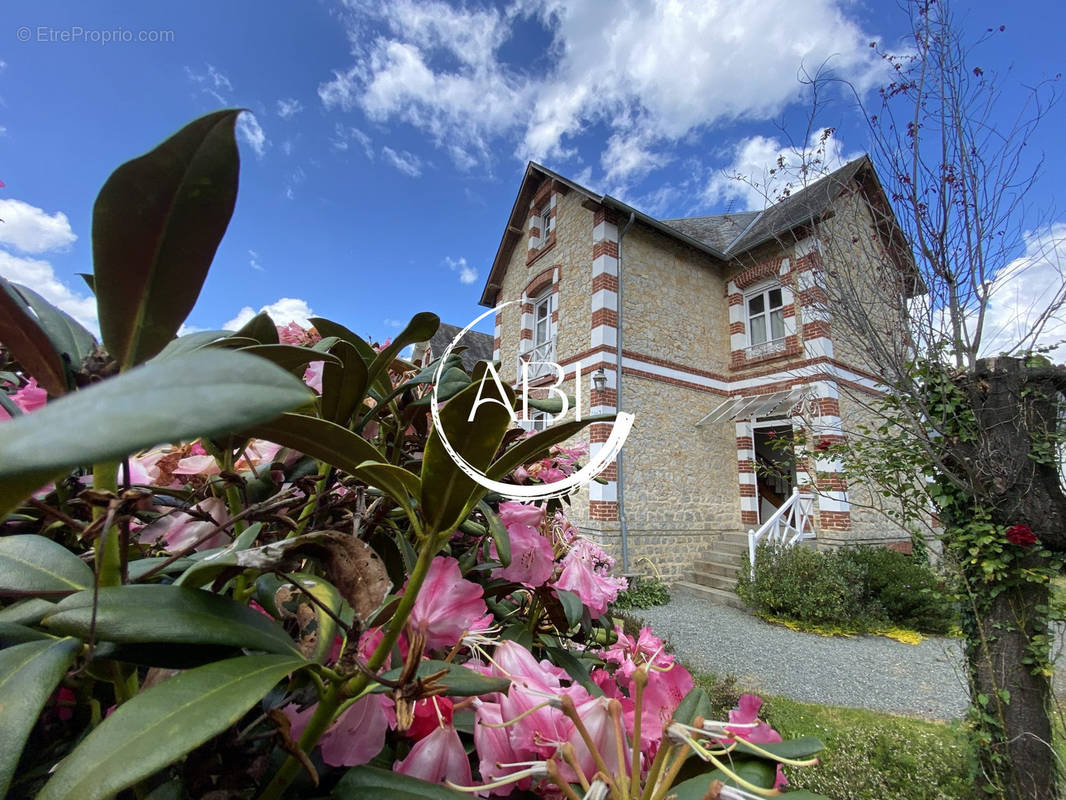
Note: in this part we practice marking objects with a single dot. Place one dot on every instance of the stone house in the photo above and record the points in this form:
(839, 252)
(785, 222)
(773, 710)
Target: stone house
(709, 330)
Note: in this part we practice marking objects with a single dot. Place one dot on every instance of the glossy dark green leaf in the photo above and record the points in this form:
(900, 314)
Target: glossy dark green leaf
(575, 669)
(189, 342)
(371, 783)
(138, 568)
(201, 572)
(498, 531)
(803, 747)
(151, 613)
(204, 393)
(27, 341)
(343, 384)
(327, 327)
(289, 356)
(320, 439)
(459, 682)
(420, 329)
(31, 563)
(156, 225)
(760, 773)
(428, 373)
(398, 483)
(166, 656)
(694, 704)
(572, 606)
(29, 673)
(526, 451)
(12, 633)
(67, 335)
(446, 489)
(160, 725)
(261, 328)
(552, 405)
(27, 612)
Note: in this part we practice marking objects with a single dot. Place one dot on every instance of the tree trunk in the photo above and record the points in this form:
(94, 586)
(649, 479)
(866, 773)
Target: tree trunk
(1013, 471)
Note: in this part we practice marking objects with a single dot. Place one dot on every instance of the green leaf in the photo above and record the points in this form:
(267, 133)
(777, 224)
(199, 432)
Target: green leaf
(289, 356)
(499, 533)
(694, 704)
(151, 613)
(204, 393)
(66, 333)
(156, 225)
(189, 342)
(552, 405)
(203, 571)
(526, 451)
(400, 484)
(802, 747)
(160, 725)
(11, 633)
(27, 612)
(328, 328)
(459, 682)
(320, 439)
(27, 341)
(343, 384)
(31, 563)
(446, 489)
(325, 626)
(572, 606)
(372, 783)
(28, 674)
(760, 773)
(575, 669)
(420, 329)
(261, 328)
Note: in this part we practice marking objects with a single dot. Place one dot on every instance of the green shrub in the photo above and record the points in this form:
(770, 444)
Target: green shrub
(854, 589)
(642, 593)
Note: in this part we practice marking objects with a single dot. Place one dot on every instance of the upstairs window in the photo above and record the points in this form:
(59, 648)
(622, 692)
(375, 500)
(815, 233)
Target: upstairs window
(545, 223)
(766, 320)
(542, 346)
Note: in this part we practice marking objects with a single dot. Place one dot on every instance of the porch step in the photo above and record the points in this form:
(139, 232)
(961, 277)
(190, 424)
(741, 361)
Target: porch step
(733, 548)
(697, 591)
(714, 580)
(718, 566)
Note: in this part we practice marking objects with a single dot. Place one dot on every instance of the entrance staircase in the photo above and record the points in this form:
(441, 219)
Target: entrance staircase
(713, 575)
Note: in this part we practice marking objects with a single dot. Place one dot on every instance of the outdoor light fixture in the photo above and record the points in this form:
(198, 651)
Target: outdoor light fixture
(599, 380)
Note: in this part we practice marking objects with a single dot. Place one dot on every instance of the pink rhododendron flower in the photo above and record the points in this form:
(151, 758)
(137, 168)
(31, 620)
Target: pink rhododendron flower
(355, 737)
(295, 334)
(512, 513)
(438, 757)
(587, 573)
(662, 696)
(313, 375)
(551, 474)
(430, 713)
(179, 530)
(197, 465)
(747, 713)
(29, 398)
(630, 653)
(532, 557)
(447, 605)
(493, 747)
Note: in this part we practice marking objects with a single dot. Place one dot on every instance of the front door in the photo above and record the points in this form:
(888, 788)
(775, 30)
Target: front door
(775, 467)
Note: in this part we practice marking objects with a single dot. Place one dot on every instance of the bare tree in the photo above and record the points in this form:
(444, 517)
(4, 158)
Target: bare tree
(918, 248)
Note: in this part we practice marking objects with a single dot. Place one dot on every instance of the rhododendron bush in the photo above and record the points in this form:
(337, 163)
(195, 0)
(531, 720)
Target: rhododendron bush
(242, 563)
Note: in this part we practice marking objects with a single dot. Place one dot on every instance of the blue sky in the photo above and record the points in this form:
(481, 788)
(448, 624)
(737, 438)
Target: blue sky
(387, 139)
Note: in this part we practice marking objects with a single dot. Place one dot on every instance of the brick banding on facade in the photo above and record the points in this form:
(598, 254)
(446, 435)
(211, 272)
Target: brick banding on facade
(604, 281)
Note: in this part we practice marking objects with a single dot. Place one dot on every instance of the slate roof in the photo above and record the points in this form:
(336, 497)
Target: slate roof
(479, 345)
(718, 231)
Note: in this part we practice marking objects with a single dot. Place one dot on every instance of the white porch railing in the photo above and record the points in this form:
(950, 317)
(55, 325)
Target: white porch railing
(543, 355)
(788, 525)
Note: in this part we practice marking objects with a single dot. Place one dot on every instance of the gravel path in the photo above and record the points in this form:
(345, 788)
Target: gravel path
(864, 671)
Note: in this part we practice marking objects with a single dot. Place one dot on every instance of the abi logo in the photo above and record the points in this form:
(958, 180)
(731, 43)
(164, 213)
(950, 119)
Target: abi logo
(597, 463)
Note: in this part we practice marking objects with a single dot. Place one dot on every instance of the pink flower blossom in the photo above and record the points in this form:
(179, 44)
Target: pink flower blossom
(494, 747)
(430, 713)
(439, 756)
(447, 605)
(662, 696)
(355, 737)
(747, 713)
(532, 557)
(179, 530)
(313, 375)
(29, 398)
(512, 513)
(587, 573)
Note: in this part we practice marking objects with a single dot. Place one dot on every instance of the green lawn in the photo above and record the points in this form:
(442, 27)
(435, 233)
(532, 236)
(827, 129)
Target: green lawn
(869, 755)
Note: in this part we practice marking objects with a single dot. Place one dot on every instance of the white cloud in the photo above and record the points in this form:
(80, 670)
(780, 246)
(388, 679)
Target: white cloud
(33, 230)
(289, 107)
(344, 135)
(407, 163)
(1031, 286)
(651, 71)
(39, 276)
(467, 274)
(249, 130)
(253, 261)
(212, 82)
(284, 311)
(393, 323)
(763, 169)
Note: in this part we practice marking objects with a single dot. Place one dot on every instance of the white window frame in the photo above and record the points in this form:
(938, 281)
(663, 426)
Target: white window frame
(769, 344)
(538, 421)
(542, 346)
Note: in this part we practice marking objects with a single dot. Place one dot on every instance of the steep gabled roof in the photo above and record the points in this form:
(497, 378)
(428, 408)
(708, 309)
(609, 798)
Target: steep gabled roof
(723, 236)
(479, 345)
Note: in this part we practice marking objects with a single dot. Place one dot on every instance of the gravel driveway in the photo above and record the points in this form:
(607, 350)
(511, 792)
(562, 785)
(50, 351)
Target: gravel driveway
(865, 671)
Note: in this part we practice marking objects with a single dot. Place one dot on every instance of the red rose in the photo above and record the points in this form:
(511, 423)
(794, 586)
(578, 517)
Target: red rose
(823, 445)
(1021, 535)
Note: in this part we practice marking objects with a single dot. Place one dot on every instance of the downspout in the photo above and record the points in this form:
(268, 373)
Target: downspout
(623, 528)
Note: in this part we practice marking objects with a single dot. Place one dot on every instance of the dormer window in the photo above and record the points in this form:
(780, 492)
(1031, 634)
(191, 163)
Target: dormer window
(766, 321)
